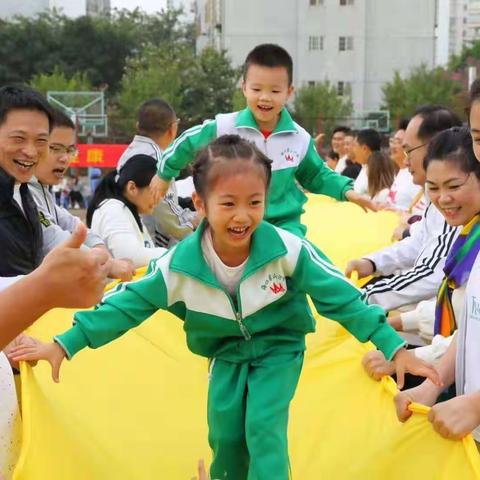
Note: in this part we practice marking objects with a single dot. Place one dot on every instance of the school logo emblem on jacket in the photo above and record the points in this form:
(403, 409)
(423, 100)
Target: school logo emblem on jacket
(290, 155)
(44, 220)
(275, 283)
(277, 288)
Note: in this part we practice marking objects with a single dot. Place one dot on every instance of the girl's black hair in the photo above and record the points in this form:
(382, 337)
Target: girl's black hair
(453, 145)
(140, 169)
(226, 148)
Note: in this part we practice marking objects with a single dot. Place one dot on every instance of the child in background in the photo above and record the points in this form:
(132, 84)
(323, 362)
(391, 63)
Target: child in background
(240, 285)
(267, 86)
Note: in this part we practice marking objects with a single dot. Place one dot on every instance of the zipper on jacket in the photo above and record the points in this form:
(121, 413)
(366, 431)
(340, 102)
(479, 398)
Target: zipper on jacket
(238, 315)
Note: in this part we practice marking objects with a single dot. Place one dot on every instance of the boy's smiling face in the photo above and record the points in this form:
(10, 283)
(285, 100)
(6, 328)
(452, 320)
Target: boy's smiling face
(266, 90)
(52, 169)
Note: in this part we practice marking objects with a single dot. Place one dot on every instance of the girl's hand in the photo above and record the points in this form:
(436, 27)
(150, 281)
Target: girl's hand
(362, 201)
(456, 418)
(376, 365)
(52, 352)
(426, 394)
(407, 362)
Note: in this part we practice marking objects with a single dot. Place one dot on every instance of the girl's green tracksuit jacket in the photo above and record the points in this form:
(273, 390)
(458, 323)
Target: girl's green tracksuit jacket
(270, 311)
(296, 163)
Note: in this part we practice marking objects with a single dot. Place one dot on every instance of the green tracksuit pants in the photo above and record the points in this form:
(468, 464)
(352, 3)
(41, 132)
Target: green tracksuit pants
(248, 407)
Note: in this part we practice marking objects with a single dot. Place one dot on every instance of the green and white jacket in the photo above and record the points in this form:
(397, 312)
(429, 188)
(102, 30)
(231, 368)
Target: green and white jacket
(271, 312)
(296, 163)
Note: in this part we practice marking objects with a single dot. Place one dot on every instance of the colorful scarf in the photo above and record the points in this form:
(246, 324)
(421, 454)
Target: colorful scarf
(457, 269)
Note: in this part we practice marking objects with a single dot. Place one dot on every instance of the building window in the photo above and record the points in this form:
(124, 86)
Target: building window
(343, 88)
(346, 2)
(314, 3)
(311, 83)
(345, 43)
(315, 43)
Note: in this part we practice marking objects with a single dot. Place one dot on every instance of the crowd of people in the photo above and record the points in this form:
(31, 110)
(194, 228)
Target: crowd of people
(212, 259)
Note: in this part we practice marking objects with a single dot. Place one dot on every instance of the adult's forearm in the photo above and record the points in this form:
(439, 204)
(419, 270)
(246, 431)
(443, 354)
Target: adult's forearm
(22, 303)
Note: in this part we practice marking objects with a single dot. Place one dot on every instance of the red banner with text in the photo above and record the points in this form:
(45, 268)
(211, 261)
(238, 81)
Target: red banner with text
(98, 155)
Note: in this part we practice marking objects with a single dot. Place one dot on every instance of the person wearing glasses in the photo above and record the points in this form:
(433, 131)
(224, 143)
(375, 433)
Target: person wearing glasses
(57, 223)
(421, 256)
(157, 126)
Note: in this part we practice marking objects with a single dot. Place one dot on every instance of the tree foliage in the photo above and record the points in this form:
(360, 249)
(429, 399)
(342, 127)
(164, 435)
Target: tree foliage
(319, 108)
(402, 96)
(57, 80)
(197, 86)
(96, 46)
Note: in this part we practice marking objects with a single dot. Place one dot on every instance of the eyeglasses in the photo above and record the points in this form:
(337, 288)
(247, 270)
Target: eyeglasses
(59, 149)
(407, 153)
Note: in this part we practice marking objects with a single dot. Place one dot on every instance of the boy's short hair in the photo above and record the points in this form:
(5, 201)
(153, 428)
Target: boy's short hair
(61, 120)
(21, 97)
(371, 138)
(155, 117)
(269, 55)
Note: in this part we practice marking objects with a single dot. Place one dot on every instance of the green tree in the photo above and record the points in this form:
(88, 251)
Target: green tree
(57, 80)
(319, 108)
(238, 100)
(97, 46)
(197, 86)
(402, 96)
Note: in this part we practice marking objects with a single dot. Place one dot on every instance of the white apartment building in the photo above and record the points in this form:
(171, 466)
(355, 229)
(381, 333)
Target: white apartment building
(355, 44)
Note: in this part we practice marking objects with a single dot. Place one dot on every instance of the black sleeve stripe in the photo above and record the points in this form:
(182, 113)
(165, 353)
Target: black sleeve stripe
(421, 270)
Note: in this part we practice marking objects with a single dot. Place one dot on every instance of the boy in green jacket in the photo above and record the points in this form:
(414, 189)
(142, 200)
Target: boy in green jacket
(267, 85)
(240, 285)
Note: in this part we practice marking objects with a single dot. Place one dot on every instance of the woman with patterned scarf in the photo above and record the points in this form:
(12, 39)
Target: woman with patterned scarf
(453, 182)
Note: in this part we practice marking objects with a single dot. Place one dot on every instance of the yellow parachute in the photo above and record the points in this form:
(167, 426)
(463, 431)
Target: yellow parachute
(136, 409)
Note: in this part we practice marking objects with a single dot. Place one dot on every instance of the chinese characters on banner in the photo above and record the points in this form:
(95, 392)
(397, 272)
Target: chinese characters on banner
(98, 155)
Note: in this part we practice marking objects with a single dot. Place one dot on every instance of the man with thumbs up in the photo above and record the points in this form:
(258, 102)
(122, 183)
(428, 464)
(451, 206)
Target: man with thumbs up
(68, 277)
